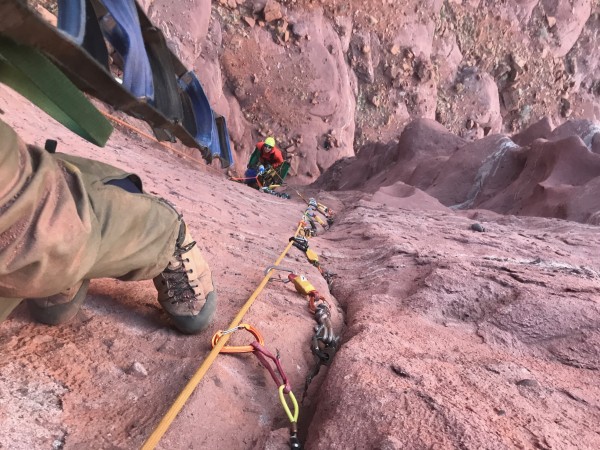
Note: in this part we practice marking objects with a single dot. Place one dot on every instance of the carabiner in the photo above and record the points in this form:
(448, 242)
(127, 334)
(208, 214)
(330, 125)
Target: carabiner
(239, 348)
(300, 242)
(313, 298)
(284, 269)
(293, 417)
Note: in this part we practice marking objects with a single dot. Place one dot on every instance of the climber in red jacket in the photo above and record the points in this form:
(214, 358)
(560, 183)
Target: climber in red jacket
(265, 162)
(269, 153)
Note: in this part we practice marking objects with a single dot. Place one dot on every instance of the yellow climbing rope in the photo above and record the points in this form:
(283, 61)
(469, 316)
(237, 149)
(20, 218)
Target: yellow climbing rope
(187, 391)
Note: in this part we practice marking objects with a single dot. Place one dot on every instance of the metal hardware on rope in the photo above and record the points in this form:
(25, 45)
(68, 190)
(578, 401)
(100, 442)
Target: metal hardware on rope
(324, 332)
(300, 242)
(311, 222)
(328, 213)
(269, 190)
(324, 343)
(315, 206)
(307, 230)
(313, 298)
(295, 442)
(283, 269)
(311, 214)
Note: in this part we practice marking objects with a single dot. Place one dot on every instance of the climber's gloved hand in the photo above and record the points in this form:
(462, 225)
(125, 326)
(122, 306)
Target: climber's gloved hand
(261, 170)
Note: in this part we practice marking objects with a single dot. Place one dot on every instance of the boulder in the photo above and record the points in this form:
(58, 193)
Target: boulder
(478, 104)
(272, 11)
(569, 19)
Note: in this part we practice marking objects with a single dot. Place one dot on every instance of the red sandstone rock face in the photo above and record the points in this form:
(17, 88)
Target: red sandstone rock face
(451, 338)
(481, 103)
(300, 95)
(326, 79)
(458, 339)
(566, 22)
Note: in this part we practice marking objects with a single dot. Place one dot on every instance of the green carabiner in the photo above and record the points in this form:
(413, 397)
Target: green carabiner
(293, 418)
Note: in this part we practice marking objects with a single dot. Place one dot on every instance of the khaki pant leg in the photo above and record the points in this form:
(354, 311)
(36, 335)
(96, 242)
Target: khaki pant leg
(46, 235)
(138, 230)
(7, 305)
(59, 223)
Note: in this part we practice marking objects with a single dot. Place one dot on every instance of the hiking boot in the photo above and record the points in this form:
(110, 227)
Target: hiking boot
(59, 308)
(185, 287)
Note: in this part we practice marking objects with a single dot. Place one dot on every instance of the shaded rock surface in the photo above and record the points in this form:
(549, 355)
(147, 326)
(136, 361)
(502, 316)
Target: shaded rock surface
(557, 176)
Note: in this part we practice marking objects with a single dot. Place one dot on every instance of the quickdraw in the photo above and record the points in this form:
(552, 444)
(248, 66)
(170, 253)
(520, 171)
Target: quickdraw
(301, 243)
(307, 229)
(309, 222)
(327, 212)
(313, 298)
(324, 343)
(311, 214)
(304, 287)
(277, 373)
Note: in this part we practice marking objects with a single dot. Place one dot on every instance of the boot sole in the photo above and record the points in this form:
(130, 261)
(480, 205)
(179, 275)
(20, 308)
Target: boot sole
(58, 314)
(199, 322)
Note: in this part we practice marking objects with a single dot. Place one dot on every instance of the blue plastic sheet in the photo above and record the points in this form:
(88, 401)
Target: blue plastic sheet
(126, 37)
(202, 112)
(72, 19)
(77, 19)
(181, 100)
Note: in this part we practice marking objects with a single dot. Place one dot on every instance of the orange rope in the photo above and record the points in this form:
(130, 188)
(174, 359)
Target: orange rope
(152, 138)
(242, 179)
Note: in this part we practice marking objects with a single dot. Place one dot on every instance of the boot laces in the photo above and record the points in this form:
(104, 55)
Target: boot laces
(179, 288)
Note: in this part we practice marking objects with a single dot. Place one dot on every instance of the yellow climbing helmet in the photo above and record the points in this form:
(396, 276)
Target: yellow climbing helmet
(270, 142)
